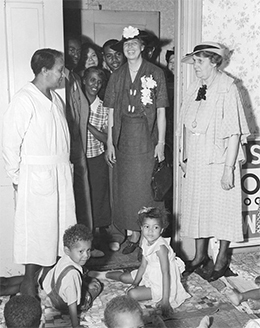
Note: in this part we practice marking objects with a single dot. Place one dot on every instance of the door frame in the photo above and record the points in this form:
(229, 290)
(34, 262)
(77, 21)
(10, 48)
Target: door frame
(188, 33)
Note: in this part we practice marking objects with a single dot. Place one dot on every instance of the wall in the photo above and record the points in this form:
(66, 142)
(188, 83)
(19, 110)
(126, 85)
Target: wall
(165, 7)
(236, 24)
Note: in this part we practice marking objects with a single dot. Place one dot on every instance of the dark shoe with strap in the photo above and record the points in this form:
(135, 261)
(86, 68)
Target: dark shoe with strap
(191, 268)
(130, 247)
(216, 274)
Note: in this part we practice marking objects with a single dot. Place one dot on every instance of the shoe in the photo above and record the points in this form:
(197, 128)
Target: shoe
(191, 268)
(130, 247)
(114, 246)
(215, 275)
(96, 253)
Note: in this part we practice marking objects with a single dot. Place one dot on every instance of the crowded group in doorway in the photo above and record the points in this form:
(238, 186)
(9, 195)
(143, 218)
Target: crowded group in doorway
(86, 167)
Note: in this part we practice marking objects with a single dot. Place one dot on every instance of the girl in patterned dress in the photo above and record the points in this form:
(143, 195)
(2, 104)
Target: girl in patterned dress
(159, 275)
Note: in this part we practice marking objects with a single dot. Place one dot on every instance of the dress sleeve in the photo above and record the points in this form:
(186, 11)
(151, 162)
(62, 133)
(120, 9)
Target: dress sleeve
(233, 116)
(161, 92)
(110, 95)
(15, 124)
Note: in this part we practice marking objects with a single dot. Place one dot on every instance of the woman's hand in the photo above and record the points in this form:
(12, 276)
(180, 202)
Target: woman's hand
(227, 180)
(159, 152)
(110, 155)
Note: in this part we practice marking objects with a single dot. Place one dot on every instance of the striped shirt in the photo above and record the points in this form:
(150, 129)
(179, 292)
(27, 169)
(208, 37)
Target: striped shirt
(98, 117)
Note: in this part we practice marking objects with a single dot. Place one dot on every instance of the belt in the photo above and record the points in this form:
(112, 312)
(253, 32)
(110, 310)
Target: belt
(45, 160)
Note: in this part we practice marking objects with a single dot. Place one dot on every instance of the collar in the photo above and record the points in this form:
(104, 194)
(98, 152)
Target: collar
(95, 104)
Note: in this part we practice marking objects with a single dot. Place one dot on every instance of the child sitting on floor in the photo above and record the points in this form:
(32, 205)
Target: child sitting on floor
(125, 312)
(22, 311)
(159, 275)
(64, 285)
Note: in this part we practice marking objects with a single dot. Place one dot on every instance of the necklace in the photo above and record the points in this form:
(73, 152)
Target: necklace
(201, 95)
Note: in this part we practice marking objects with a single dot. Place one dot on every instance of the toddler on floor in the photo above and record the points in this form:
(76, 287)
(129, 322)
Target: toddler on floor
(125, 312)
(159, 275)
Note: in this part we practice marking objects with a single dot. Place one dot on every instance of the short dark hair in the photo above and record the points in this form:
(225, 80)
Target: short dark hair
(213, 57)
(120, 304)
(22, 311)
(157, 213)
(44, 58)
(76, 233)
(97, 70)
(109, 43)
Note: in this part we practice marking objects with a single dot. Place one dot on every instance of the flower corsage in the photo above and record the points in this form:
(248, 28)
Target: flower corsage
(148, 86)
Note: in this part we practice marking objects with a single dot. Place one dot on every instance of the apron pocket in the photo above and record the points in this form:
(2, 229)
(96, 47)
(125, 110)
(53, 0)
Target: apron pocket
(42, 183)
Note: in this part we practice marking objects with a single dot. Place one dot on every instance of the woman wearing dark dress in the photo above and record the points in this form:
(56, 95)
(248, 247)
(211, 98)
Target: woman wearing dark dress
(136, 96)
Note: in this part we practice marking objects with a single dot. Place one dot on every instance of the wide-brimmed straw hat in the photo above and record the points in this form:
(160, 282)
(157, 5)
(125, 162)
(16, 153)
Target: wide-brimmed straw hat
(204, 46)
(130, 33)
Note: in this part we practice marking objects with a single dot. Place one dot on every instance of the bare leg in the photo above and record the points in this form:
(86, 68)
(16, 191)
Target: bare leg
(28, 284)
(124, 277)
(201, 245)
(10, 285)
(236, 297)
(222, 257)
(140, 293)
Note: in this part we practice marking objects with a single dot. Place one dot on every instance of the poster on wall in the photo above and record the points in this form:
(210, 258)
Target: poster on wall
(250, 184)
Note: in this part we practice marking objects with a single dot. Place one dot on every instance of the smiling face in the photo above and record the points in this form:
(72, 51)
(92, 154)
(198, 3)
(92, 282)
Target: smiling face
(92, 83)
(54, 76)
(151, 229)
(91, 58)
(113, 59)
(203, 67)
(133, 48)
(79, 252)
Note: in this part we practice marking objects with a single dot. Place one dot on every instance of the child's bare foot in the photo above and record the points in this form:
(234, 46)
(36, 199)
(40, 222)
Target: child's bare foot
(204, 323)
(253, 304)
(234, 296)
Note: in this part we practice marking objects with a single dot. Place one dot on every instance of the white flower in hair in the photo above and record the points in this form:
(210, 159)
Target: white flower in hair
(130, 32)
(145, 209)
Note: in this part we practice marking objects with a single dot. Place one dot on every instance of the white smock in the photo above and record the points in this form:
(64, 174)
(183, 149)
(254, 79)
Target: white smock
(36, 153)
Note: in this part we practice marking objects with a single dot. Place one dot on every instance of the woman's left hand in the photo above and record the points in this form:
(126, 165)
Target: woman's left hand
(227, 180)
(159, 152)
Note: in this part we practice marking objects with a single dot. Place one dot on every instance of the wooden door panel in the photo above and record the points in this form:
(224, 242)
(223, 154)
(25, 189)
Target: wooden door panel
(103, 25)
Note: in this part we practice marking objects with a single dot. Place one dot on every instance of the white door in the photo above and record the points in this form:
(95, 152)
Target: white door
(103, 25)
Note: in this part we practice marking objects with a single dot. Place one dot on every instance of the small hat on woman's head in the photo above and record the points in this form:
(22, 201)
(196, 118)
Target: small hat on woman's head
(204, 46)
(130, 33)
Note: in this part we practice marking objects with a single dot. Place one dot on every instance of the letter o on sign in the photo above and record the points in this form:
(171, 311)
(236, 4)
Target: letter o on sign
(255, 177)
